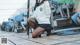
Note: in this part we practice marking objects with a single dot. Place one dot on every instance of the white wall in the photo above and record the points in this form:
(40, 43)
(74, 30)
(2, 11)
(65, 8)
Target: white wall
(9, 7)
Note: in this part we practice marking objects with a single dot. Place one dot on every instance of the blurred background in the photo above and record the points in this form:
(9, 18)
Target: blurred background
(10, 7)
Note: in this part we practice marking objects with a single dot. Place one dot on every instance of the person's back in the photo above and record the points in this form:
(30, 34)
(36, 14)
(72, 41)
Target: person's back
(42, 13)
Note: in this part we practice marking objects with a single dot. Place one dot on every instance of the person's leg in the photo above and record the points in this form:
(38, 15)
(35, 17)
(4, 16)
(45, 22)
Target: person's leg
(74, 18)
(48, 32)
(47, 28)
(37, 32)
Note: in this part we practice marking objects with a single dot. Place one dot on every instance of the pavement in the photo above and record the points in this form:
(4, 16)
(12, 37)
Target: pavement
(22, 39)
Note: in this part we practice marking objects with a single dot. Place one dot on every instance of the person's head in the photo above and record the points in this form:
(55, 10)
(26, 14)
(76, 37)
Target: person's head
(32, 23)
(40, 1)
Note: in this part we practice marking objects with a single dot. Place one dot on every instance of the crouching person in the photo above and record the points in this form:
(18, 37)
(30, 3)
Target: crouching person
(37, 31)
(40, 20)
(39, 28)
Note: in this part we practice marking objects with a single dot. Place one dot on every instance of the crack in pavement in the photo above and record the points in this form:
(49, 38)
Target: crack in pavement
(12, 42)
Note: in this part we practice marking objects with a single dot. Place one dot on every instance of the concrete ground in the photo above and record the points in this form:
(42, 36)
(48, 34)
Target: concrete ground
(22, 39)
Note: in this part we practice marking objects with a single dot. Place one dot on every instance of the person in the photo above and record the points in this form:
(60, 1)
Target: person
(75, 17)
(40, 20)
(77, 12)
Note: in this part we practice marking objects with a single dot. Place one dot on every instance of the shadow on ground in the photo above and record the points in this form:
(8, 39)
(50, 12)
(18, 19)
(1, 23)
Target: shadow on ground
(67, 32)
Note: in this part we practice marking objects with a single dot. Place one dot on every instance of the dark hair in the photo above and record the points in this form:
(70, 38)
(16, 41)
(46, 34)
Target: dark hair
(38, 4)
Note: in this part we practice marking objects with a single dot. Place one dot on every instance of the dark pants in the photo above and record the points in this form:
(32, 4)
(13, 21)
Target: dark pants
(47, 28)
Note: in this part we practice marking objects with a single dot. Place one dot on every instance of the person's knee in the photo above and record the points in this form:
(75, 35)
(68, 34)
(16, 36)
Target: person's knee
(34, 35)
(37, 32)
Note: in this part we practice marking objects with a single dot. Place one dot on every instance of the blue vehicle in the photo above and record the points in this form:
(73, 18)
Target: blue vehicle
(17, 23)
(7, 26)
